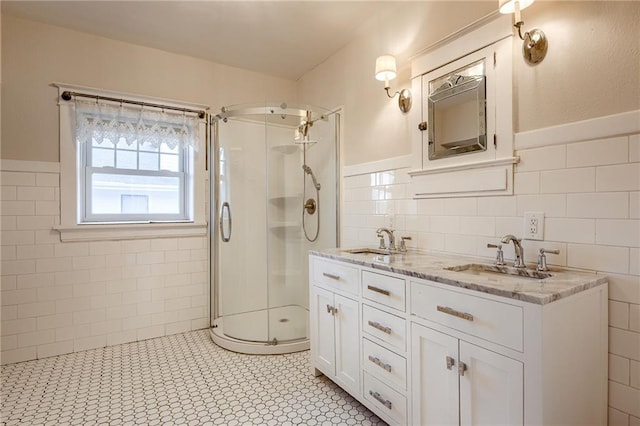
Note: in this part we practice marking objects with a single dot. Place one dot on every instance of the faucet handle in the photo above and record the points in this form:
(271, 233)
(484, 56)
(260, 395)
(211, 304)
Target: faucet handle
(403, 244)
(542, 259)
(499, 253)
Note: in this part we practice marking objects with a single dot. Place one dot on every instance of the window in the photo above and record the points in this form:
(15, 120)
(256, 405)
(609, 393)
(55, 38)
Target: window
(133, 165)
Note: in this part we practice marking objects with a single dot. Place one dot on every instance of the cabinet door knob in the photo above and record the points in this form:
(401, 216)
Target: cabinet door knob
(450, 363)
(422, 126)
(462, 367)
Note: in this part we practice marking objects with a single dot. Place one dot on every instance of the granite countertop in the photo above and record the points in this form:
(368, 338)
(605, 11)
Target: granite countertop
(561, 283)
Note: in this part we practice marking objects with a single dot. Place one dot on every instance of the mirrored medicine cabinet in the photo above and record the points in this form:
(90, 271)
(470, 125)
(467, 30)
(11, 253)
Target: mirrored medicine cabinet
(457, 119)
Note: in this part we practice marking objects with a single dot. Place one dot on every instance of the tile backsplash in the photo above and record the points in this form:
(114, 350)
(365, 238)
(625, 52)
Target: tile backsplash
(589, 192)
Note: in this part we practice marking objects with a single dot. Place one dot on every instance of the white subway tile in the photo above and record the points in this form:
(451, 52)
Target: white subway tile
(115, 260)
(39, 251)
(8, 282)
(18, 355)
(178, 327)
(166, 293)
(36, 309)
(568, 180)
(55, 264)
(164, 244)
(150, 258)
(508, 225)
(148, 308)
(72, 249)
(135, 246)
(150, 332)
(18, 208)
(34, 222)
(149, 283)
(172, 268)
(55, 349)
(8, 193)
(47, 236)
(634, 148)
(122, 286)
(634, 317)
(403, 207)
(73, 332)
(88, 262)
(99, 276)
(431, 207)
(609, 205)
(598, 258)
(634, 261)
(8, 252)
(8, 223)
(190, 290)
(97, 248)
(89, 317)
(138, 296)
(18, 326)
(89, 289)
(121, 311)
(497, 206)
(18, 178)
(106, 300)
(11, 238)
(121, 337)
(461, 244)
(386, 207)
(48, 179)
(186, 267)
(624, 177)
(634, 421)
(553, 205)
(598, 152)
(445, 224)
(35, 280)
(35, 193)
(483, 226)
(92, 342)
(545, 158)
(624, 398)
(106, 327)
(177, 304)
(35, 338)
(634, 374)
(73, 305)
(634, 205)
(467, 206)
(619, 369)
(624, 343)
(200, 254)
(178, 280)
(191, 313)
(570, 230)
(9, 313)
(618, 314)
(71, 277)
(136, 271)
(46, 322)
(617, 418)
(19, 296)
(618, 232)
(357, 181)
(417, 223)
(191, 243)
(47, 208)
(202, 323)
(526, 183)
(9, 342)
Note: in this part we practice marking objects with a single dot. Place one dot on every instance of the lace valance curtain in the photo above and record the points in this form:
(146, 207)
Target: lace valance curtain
(149, 127)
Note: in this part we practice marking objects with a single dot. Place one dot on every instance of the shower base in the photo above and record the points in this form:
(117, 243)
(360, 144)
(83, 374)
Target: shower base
(248, 332)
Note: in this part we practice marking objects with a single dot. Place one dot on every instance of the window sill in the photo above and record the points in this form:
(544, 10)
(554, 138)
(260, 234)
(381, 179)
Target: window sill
(130, 231)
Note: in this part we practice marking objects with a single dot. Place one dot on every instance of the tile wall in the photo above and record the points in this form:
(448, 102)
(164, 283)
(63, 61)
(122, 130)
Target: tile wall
(590, 194)
(66, 297)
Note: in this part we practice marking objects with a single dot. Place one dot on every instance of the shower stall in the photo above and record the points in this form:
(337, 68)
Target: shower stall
(274, 196)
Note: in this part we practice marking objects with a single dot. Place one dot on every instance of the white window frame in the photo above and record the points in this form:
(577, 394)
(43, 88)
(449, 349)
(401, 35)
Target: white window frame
(73, 223)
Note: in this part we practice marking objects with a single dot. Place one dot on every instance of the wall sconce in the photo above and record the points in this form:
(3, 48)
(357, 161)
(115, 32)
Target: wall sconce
(534, 47)
(385, 71)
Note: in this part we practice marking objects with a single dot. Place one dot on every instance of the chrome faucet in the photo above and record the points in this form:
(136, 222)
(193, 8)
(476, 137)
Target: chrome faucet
(519, 261)
(392, 238)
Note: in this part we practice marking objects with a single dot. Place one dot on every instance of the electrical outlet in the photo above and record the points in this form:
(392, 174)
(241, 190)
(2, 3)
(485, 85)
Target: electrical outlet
(533, 226)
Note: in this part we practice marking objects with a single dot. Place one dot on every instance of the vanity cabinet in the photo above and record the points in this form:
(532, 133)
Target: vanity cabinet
(437, 350)
(335, 326)
(456, 382)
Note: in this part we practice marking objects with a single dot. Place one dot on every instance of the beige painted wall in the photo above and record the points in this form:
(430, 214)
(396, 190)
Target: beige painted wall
(592, 69)
(34, 55)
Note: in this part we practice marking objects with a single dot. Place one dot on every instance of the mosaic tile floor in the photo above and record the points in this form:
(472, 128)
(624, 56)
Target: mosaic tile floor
(182, 379)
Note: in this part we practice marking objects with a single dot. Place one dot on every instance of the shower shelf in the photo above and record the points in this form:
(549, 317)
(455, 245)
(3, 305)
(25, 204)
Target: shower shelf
(286, 149)
(284, 225)
(280, 199)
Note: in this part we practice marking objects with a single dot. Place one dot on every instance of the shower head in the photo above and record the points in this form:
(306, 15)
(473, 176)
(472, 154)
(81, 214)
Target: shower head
(308, 171)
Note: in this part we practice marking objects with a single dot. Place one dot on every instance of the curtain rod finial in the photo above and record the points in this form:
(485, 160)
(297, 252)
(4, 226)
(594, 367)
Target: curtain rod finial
(66, 95)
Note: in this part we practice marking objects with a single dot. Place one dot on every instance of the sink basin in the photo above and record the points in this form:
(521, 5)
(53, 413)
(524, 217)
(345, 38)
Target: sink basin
(370, 251)
(493, 271)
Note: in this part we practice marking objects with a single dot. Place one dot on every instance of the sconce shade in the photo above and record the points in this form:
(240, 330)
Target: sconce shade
(509, 6)
(385, 68)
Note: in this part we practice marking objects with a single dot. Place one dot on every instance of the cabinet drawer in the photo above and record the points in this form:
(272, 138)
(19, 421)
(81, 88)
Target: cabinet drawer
(386, 327)
(336, 276)
(388, 402)
(385, 365)
(384, 289)
(494, 321)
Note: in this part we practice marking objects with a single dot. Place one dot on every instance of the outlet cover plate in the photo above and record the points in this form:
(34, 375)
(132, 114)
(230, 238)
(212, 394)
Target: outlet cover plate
(533, 226)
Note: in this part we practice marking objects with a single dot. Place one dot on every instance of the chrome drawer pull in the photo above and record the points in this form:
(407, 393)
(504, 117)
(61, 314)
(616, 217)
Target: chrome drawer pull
(380, 399)
(332, 276)
(379, 290)
(380, 327)
(450, 311)
(379, 363)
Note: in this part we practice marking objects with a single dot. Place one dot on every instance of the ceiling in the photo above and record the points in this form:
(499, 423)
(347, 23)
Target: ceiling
(280, 38)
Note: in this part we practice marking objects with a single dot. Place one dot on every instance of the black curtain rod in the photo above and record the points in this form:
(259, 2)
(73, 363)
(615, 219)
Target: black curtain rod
(66, 95)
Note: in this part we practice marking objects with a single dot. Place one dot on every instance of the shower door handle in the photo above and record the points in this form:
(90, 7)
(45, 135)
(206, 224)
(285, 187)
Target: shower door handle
(227, 207)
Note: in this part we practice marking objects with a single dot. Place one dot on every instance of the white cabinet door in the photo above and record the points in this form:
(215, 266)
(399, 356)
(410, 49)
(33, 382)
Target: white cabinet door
(434, 381)
(323, 330)
(347, 347)
(491, 389)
